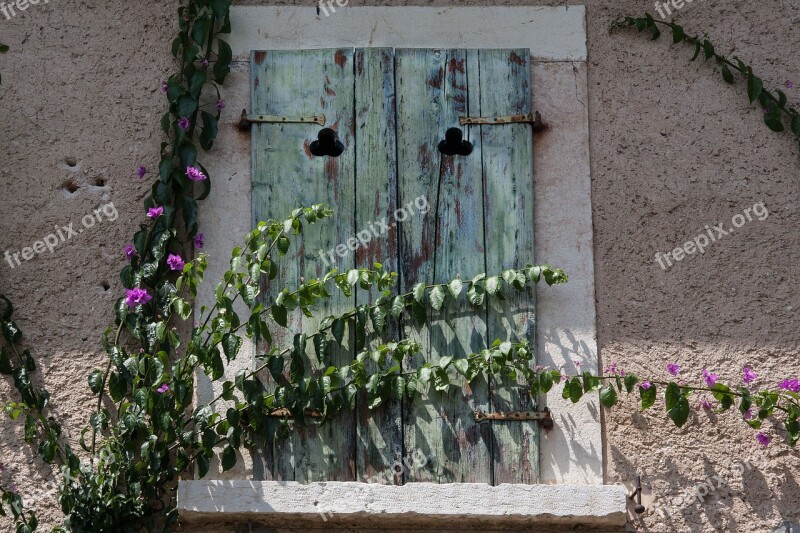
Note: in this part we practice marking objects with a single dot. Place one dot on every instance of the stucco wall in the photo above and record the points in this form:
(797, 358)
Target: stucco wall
(672, 149)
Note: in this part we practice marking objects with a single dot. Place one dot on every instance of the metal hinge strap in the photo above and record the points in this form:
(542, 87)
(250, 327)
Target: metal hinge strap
(531, 118)
(246, 119)
(543, 417)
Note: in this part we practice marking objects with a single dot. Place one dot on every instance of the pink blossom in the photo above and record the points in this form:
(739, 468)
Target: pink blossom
(709, 378)
(198, 240)
(673, 369)
(155, 212)
(763, 438)
(175, 262)
(645, 385)
(748, 376)
(195, 174)
(130, 251)
(137, 296)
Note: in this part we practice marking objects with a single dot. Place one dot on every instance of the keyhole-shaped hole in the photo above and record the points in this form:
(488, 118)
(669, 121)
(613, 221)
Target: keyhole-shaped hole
(454, 143)
(327, 143)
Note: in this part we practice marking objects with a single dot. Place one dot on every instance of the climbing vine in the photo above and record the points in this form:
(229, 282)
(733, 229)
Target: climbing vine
(145, 431)
(777, 113)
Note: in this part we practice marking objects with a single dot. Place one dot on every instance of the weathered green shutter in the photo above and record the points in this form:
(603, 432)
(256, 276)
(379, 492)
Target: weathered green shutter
(391, 110)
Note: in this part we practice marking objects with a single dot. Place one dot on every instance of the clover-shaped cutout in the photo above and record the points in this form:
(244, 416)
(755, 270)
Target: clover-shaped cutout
(327, 143)
(453, 143)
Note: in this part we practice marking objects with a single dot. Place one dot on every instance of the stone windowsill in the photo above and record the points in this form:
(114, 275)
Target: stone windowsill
(473, 505)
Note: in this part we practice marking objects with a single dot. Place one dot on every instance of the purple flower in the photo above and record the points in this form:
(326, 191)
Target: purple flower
(155, 212)
(220, 105)
(198, 240)
(136, 297)
(204, 64)
(195, 174)
(709, 378)
(789, 85)
(763, 438)
(613, 369)
(578, 363)
(748, 414)
(645, 385)
(130, 251)
(175, 262)
(141, 171)
(162, 389)
(748, 376)
(705, 404)
(183, 123)
(792, 385)
(673, 369)
(164, 87)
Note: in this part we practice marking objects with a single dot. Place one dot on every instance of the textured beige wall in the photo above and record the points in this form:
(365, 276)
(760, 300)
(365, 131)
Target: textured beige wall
(673, 148)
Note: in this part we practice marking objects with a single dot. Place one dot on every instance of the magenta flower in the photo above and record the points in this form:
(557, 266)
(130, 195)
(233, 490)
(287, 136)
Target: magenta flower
(613, 369)
(162, 389)
(673, 369)
(155, 212)
(204, 64)
(748, 415)
(763, 438)
(164, 87)
(709, 378)
(183, 123)
(195, 174)
(789, 85)
(137, 296)
(199, 240)
(705, 404)
(645, 385)
(748, 376)
(220, 105)
(175, 262)
(130, 251)
(792, 385)
(141, 171)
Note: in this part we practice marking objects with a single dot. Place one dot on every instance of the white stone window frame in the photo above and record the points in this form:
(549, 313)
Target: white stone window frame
(571, 489)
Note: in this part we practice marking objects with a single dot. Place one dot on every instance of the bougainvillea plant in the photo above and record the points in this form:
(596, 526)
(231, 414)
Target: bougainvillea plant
(132, 455)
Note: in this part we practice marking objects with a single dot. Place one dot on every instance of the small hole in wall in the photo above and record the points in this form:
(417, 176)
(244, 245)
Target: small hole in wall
(70, 186)
(100, 182)
(105, 285)
(71, 161)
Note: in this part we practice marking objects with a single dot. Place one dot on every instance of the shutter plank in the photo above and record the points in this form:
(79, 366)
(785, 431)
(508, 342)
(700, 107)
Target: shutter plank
(380, 440)
(286, 175)
(507, 153)
(433, 88)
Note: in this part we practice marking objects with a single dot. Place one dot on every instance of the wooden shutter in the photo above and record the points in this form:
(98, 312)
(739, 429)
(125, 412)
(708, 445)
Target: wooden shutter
(391, 109)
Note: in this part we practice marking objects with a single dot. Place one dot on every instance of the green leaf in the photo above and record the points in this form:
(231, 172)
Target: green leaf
(231, 345)
(475, 294)
(5, 363)
(220, 7)
(337, 328)
(726, 74)
(275, 365)
(228, 458)
(455, 287)
(437, 296)
(679, 412)
(697, 50)
(418, 291)
(545, 381)
(186, 106)
(279, 315)
(796, 125)
(461, 366)
(96, 381)
(677, 34)
(708, 49)
(754, 87)
(774, 119)
(202, 465)
(575, 389)
(608, 396)
(630, 382)
(222, 65)
(210, 130)
(398, 304)
(648, 396)
(492, 285)
(352, 277)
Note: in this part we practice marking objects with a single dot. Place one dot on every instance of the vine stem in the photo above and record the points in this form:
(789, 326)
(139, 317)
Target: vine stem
(102, 390)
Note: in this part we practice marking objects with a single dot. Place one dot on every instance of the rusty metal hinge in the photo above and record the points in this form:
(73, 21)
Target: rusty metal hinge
(285, 413)
(246, 120)
(543, 417)
(534, 119)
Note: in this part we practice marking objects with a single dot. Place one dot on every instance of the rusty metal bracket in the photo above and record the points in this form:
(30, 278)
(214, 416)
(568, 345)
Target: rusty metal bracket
(246, 120)
(534, 119)
(284, 413)
(543, 417)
